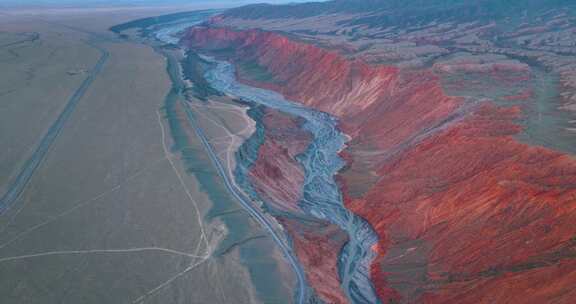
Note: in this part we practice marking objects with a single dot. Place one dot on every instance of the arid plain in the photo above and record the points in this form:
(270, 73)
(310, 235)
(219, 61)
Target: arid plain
(107, 212)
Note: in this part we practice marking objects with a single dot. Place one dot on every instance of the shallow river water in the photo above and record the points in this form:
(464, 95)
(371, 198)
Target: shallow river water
(322, 197)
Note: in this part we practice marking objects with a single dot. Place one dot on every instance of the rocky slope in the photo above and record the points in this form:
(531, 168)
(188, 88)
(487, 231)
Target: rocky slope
(459, 156)
(278, 180)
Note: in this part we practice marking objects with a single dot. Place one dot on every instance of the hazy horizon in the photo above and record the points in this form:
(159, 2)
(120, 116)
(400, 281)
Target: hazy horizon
(121, 3)
(84, 3)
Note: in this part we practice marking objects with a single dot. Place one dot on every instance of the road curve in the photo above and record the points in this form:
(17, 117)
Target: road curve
(18, 184)
(246, 203)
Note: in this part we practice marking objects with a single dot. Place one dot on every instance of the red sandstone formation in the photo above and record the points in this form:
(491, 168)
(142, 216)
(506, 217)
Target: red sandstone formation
(465, 213)
(278, 179)
(473, 205)
(317, 246)
(276, 175)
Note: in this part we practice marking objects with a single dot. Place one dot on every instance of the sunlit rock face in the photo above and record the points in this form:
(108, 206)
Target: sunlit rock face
(461, 150)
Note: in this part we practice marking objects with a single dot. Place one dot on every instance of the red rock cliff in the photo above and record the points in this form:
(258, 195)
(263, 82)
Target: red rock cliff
(465, 213)
(278, 178)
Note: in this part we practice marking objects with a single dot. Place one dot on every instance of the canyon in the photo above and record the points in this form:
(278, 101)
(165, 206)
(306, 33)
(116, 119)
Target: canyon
(343, 151)
(457, 152)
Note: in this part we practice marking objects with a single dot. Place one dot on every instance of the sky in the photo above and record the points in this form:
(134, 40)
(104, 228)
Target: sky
(132, 2)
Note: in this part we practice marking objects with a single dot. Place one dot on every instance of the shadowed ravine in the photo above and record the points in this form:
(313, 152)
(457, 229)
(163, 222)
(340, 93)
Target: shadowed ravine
(322, 197)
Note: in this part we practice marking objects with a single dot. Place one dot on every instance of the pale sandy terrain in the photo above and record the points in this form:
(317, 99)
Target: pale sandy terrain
(35, 83)
(111, 215)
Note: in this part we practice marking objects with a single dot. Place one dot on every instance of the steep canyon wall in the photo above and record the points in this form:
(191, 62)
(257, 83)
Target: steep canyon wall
(465, 213)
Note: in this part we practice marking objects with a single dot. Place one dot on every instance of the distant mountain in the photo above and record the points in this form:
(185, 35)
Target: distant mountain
(398, 11)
